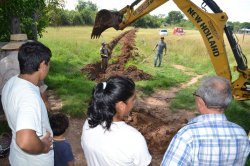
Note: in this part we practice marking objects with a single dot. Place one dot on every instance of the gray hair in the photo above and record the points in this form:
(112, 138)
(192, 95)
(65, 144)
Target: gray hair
(215, 92)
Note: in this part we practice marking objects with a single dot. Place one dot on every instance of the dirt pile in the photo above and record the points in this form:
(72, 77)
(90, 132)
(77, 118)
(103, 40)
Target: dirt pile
(118, 67)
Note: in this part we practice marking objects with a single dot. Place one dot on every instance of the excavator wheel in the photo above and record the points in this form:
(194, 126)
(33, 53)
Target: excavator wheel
(104, 20)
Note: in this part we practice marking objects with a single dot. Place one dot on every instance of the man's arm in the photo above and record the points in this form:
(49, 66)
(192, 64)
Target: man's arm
(71, 163)
(29, 142)
(155, 46)
(165, 48)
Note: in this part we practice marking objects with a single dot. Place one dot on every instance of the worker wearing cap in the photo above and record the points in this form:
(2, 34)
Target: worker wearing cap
(104, 52)
(161, 45)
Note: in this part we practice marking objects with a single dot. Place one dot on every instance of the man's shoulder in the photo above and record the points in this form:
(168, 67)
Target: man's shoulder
(237, 128)
(12, 85)
(197, 130)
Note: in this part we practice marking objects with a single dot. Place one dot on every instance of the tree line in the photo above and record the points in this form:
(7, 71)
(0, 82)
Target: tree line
(35, 16)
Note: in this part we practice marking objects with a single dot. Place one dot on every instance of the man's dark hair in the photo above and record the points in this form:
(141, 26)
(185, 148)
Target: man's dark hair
(104, 98)
(31, 54)
(59, 122)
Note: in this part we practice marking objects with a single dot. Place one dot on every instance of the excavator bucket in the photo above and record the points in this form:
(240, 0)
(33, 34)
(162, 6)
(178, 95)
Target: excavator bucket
(104, 20)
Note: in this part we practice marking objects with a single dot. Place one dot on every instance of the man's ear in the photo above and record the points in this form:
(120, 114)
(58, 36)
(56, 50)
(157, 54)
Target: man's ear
(42, 65)
(200, 103)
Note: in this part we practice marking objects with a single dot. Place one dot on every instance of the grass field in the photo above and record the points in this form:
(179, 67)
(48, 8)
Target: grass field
(72, 49)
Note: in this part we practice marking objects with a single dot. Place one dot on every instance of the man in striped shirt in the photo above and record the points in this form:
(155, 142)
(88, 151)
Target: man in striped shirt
(209, 139)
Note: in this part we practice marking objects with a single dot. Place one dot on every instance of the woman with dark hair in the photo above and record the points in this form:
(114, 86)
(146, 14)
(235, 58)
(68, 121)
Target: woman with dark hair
(106, 138)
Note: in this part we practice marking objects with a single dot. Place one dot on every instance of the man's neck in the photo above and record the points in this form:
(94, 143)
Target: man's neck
(30, 77)
(212, 111)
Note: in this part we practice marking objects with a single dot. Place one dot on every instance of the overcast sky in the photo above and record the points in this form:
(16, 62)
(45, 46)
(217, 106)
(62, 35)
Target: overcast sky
(237, 10)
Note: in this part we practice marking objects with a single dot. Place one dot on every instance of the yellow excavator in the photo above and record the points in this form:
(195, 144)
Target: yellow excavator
(210, 25)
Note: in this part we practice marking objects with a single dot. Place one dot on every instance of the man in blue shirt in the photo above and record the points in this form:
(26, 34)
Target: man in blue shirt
(161, 45)
(209, 139)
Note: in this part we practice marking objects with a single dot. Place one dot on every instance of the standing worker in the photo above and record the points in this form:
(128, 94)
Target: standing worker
(104, 52)
(161, 45)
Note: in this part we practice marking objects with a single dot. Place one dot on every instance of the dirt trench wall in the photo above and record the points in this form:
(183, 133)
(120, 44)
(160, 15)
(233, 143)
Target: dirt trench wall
(127, 39)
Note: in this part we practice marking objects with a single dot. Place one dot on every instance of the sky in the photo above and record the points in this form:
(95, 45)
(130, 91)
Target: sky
(237, 10)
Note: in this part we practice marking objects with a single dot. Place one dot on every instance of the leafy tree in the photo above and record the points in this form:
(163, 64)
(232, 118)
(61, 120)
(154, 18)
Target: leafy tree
(77, 19)
(187, 24)
(66, 18)
(54, 8)
(245, 25)
(174, 17)
(82, 4)
(87, 11)
(148, 21)
(230, 24)
(29, 13)
(236, 26)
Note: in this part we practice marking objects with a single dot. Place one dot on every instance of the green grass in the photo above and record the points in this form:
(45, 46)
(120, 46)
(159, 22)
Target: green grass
(239, 113)
(184, 99)
(163, 77)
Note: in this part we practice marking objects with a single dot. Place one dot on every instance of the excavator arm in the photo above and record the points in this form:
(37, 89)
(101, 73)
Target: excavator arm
(210, 25)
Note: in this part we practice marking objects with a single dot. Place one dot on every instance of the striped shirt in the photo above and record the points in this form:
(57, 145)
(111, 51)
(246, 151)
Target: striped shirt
(208, 140)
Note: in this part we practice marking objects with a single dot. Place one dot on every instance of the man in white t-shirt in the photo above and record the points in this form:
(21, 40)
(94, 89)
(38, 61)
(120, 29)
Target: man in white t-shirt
(25, 110)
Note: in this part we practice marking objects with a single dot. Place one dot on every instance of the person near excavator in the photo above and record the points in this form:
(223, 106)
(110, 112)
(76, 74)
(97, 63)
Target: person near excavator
(25, 110)
(161, 45)
(209, 139)
(104, 52)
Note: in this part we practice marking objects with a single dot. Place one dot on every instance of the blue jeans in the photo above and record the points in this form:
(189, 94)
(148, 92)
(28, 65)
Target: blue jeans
(158, 56)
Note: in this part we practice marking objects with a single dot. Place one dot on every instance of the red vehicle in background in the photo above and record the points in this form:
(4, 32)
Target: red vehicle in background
(178, 31)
